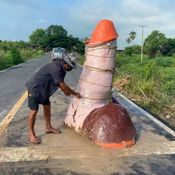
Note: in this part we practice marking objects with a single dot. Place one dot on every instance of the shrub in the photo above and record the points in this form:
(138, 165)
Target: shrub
(37, 53)
(169, 88)
(9, 58)
(128, 51)
(26, 54)
(16, 56)
(136, 49)
(165, 61)
(150, 71)
(3, 63)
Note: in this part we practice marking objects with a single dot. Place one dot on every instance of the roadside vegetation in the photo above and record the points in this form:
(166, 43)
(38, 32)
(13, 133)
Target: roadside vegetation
(13, 53)
(40, 41)
(149, 83)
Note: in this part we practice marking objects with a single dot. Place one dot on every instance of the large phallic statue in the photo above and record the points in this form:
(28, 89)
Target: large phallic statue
(105, 123)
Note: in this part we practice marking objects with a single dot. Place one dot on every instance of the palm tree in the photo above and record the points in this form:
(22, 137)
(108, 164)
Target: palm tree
(132, 36)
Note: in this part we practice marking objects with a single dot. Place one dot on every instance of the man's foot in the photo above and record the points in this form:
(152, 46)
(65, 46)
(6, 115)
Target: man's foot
(53, 130)
(34, 140)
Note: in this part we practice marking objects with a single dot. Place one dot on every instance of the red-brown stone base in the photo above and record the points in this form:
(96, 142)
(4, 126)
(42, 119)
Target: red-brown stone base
(110, 126)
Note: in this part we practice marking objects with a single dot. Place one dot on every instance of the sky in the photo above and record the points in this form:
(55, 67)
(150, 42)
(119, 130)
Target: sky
(19, 18)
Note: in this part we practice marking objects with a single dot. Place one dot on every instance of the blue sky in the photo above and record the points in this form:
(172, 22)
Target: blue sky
(18, 18)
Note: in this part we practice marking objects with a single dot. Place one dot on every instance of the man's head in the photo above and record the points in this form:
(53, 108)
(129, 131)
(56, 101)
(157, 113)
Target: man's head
(69, 61)
(67, 67)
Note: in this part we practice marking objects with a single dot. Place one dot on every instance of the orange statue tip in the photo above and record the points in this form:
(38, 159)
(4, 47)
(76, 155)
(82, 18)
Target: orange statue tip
(103, 32)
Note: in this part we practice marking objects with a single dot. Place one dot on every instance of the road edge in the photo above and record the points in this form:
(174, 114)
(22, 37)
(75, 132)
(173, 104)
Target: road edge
(158, 122)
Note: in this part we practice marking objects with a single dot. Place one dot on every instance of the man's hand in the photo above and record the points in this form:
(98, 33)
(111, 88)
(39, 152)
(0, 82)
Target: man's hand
(68, 91)
(78, 95)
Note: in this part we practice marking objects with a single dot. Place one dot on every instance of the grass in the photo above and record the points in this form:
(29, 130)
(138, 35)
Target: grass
(151, 83)
(81, 59)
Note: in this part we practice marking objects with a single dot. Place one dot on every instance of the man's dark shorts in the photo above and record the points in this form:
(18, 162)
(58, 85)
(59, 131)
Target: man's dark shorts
(34, 102)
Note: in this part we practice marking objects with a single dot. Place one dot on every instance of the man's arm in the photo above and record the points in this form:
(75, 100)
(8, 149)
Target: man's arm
(68, 91)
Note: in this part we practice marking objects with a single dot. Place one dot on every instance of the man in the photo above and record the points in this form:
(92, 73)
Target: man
(41, 86)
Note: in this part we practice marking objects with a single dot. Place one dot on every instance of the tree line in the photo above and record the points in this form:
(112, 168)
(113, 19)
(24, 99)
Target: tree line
(55, 36)
(46, 39)
(155, 44)
(40, 41)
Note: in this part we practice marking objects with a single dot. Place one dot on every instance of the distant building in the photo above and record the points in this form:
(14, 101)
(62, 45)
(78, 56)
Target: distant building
(119, 50)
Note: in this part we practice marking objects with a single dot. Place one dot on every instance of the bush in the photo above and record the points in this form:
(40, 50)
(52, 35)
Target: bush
(9, 58)
(136, 49)
(165, 61)
(123, 59)
(16, 56)
(26, 54)
(37, 53)
(168, 74)
(5, 60)
(150, 71)
(12, 56)
(3, 63)
(128, 51)
(169, 88)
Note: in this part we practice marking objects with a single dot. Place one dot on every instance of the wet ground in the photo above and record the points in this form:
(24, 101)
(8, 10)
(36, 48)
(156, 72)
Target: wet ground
(71, 153)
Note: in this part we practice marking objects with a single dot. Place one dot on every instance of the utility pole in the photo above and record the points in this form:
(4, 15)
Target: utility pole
(142, 26)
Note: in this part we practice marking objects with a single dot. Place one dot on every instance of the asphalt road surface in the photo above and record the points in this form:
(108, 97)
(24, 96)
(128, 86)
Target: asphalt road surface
(12, 82)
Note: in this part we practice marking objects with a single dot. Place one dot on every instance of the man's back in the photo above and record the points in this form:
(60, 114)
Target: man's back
(45, 82)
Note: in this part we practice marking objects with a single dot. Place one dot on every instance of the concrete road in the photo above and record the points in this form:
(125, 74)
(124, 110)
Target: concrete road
(73, 154)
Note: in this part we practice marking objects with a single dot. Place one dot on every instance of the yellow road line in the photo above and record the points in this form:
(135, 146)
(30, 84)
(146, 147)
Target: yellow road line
(7, 119)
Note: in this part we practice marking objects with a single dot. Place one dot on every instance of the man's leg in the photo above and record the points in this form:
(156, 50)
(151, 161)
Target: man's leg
(31, 121)
(33, 105)
(47, 116)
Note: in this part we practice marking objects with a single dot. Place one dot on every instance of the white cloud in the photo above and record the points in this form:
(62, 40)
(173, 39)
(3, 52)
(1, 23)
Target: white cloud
(79, 18)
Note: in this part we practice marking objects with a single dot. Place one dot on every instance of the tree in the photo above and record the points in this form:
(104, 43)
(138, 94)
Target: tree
(38, 38)
(56, 30)
(168, 47)
(132, 36)
(55, 36)
(154, 42)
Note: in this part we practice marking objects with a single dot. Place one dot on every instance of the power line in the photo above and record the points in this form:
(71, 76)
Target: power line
(142, 26)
